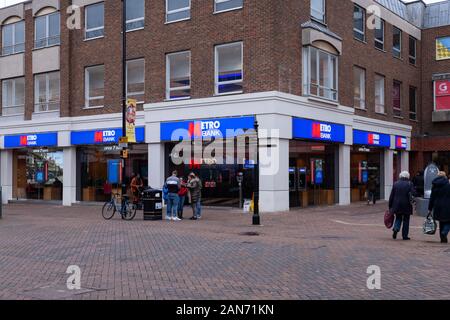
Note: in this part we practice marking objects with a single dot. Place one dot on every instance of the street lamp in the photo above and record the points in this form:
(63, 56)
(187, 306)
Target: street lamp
(124, 93)
(256, 217)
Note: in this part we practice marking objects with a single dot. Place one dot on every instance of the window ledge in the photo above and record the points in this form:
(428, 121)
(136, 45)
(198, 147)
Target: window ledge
(359, 40)
(175, 21)
(11, 54)
(323, 23)
(381, 50)
(414, 120)
(137, 29)
(94, 107)
(399, 117)
(381, 113)
(228, 10)
(360, 109)
(46, 47)
(179, 99)
(95, 38)
(398, 58)
(228, 93)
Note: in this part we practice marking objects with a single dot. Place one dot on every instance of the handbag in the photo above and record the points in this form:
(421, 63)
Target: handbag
(389, 219)
(429, 226)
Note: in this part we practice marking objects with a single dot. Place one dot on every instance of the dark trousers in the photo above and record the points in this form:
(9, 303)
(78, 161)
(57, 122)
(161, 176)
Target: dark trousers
(444, 228)
(399, 220)
(371, 197)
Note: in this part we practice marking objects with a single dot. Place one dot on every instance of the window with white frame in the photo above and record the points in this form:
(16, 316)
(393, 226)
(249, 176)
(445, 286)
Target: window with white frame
(178, 75)
(380, 94)
(94, 86)
(46, 92)
(226, 5)
(135, 14)
(47, 30)
(379, 33)
(13, 96)
(177, 10)
(359, 79)
(13, 38)
(229, 68)
(359, 26)
(412, 50)
(136, 79)
(397, 42)
(318, 10)
(95, 20)
(320, 73)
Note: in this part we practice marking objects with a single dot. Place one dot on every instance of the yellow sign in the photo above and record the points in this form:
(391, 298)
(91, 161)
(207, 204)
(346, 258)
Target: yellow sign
(123, 140)
(443, 48)
(131, 120)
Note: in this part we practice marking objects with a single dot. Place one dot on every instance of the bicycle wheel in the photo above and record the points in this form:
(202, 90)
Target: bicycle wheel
(108, 210)
(130, 211)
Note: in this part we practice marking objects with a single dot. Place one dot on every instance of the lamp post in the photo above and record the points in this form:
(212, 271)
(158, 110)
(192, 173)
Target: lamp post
(124, 92)
(256, 217)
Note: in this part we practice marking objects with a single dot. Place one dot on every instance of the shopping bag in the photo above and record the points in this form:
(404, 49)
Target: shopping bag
(389, 219)
(429, 226)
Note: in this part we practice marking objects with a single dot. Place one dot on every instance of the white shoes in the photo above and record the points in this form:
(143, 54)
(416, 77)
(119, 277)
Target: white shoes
(176, 219)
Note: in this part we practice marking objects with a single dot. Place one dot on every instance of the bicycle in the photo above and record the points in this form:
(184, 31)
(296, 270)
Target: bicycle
(121, 205)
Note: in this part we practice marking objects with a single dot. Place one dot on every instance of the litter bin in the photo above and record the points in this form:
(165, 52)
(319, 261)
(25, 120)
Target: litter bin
(153, 204)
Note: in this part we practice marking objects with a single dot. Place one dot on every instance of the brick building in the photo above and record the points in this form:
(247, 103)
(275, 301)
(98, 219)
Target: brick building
(339, 81)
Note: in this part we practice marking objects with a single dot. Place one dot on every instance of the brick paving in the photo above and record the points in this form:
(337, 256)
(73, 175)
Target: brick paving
(320, 253)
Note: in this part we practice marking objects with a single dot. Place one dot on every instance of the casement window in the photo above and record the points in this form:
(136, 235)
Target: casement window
(412, 103)
(13, 38)
(396, 98)
(13, 96)
(135, 14)
(412, 50)
(95, 20)
(379, 33)
(94, 86)
(320, 73)
(46, 92)
(178, 75)
(136, 79)
(229, 68)
(380, 94)
(359, 18)
(359, 79)
(47, 30)
(318, 10)
(177, 10)
(397, 42)
(227, 5)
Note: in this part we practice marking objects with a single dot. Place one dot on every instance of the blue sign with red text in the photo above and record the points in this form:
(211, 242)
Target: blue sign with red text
(318, 130)
(103, 136)
(49, 139)
(371, 139)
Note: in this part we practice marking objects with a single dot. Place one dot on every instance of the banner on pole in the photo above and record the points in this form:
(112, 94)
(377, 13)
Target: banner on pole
(131, 120)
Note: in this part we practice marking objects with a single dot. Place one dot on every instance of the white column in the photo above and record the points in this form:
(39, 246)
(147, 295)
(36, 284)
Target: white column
(69, 175)
(344, 174)
(388, 172)
(6, 172)
(404, 165)
(156, 161)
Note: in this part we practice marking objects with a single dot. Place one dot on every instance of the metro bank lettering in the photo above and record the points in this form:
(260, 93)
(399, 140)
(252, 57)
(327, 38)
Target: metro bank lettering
(317, 130)
(32, 140)
(371, 138)
(105, 136)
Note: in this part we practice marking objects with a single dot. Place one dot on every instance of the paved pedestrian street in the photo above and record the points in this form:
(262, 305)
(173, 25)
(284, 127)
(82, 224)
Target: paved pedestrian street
(320, 253)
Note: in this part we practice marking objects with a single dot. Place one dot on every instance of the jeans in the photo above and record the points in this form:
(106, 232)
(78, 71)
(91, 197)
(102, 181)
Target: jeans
(181, 206)
(197, 209)
(444, 228)
(371, 197)
(172, 205)
(399, 219)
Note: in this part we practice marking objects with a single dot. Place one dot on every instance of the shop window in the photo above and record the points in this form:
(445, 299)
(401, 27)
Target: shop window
(379, 33)
(359, 18)
(379, 94)
(412, 103)
(47, 30)
(177, 10)
(135, 14)
(229, 68)
(397, 42)
(227, 5)
(412, 50)
(13, 38)
(178, 79)
(396, 98)
(359, 78)
(95, 21)
(94, 86)
(46, 92)
(365, 169)
(321, 73)
(318, 10)
(13, 96)
(136, 80)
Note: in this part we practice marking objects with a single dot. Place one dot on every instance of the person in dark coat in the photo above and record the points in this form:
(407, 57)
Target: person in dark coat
(419, 183)
(400, 203)
(440, 205)
(371, 190)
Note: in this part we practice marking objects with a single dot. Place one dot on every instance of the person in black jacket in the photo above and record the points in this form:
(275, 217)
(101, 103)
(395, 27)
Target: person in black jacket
(440, 204)
(400, 203)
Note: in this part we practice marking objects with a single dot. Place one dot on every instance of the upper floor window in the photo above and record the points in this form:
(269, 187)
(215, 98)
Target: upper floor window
(46, 92)
(412, 103)
(135, 14)
(359, 18)
(397, 43)
(359, 76)
(94, 86)
(226, 5)
(379, 33)
(443, 48)
(13, 38)
(95, 20)
(318, 10)
(320, 73)
(412, 50)
(380, 94)
(13, 96)
(47, 30)
(396, 98)
(177, 10)
(229, 68)
(136, 79)
(178, 75)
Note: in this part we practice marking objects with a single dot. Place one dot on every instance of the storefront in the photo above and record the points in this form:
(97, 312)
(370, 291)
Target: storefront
(99, 165)
(37, 166)
(313, 159)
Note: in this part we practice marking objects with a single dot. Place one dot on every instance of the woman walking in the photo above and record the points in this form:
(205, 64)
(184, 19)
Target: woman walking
(400, 204)
(440, 204)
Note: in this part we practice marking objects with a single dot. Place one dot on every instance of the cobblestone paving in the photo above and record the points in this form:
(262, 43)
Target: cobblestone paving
(320, 253)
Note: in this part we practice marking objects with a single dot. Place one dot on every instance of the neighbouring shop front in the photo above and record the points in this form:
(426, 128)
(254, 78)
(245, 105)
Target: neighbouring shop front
(99, 165)
(37, 166)
(313, 163)
(218, 151)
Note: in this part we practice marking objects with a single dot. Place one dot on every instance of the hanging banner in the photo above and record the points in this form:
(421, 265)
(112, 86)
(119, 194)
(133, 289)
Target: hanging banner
(131, 120)
(443, 48)
(442, 95)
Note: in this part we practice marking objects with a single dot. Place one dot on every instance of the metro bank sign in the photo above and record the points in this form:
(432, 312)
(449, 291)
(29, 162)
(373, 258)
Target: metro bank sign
(317, 130)
(103, 136)
(32, 140)
(371, 139)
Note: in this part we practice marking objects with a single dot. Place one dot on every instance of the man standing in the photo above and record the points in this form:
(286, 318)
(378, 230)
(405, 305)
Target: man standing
(173, 186)
(194, 185)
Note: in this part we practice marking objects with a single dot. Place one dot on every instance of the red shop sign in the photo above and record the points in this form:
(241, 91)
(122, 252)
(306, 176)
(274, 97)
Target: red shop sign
(442, 94)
